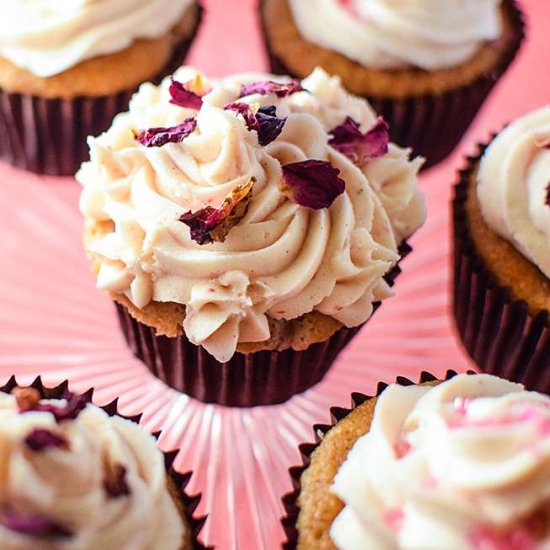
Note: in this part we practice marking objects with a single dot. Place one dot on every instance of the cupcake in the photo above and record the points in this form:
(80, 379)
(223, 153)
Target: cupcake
(246, 228)
(75, 66)
(502, 252)
(425, 65)
(462, 464)
(78, 476)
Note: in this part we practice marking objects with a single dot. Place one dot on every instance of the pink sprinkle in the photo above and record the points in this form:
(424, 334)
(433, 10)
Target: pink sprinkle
(430, 482)
(461, 405)
(394, 517)
(488, 538)
(402, 448)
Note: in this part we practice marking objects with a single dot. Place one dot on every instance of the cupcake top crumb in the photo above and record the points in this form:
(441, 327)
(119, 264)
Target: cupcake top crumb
(73, 477)
(389, 34)
(248, 198)
(513, 186)
(47, 38)
(462, 465)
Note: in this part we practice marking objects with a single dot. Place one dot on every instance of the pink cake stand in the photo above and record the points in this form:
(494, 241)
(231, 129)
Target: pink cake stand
(53, 321)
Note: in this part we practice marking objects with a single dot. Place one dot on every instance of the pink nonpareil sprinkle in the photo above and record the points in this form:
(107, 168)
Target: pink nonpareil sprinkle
(402, 448)
(460, 405)
(394, 517)
(488, 538)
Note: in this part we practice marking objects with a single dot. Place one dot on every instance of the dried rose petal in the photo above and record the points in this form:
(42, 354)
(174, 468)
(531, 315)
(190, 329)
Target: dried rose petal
(265, 122)
(183, 96)
(246, 112)
(358, 147)
(115, 484)
(157, 137)
(75, 405)
(269, 87)
(312, 183)
(213, 224)
(270, 124)
(34, 526)
(548, 195)
(42, 439)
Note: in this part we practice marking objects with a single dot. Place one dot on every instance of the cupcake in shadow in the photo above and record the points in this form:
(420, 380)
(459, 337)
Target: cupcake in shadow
(425, 65)
(246, 228)
(66, 69)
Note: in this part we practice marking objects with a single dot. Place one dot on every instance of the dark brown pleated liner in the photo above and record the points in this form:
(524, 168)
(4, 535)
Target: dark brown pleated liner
(497, 331)
(188, 502)
(433, 125)
(290, 500)
(48, 136)
(246, 380)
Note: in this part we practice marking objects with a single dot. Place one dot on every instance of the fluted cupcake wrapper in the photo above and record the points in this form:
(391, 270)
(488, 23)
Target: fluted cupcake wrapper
(246, 380)
(188, 502)
(498, 332)
(290, 500)
(434, 124)
(48, 136)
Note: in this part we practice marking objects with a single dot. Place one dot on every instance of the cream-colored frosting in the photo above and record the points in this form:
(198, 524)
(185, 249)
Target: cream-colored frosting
(48, 37)
(514, 186)
(66, 486)
(464, 465)
(282, 260)
(390, 34)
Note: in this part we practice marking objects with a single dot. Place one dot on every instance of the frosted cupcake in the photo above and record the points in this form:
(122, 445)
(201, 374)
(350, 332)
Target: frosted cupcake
(246, 228)
(425, 65)
(78, 476)
(502, 251)
(74, 65)
(458, 465)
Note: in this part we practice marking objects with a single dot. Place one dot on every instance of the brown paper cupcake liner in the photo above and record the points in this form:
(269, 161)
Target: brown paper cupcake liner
(48, 136)
(246, 380)
(433, 125)
(188, 502)
(498, 332)
(290, 500)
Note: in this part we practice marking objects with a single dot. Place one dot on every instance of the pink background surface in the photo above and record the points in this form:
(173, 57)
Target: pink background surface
(53, 322)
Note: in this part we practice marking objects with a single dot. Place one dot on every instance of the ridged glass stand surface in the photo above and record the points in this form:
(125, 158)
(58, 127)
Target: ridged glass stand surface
(53, 322)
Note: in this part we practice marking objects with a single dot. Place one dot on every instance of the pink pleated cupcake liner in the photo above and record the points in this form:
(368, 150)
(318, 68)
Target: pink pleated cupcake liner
(290, 500)
(189, 503)
(431, 124)
(498, 332)
(246, 380)
(48, 136)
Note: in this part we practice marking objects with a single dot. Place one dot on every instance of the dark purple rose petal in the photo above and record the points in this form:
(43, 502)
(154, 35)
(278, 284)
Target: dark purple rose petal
(34, 526)
(75, 405)
(213, 224)
(358, 147)
(115, 484)
(548, 195)
(312, 183)
(183, 96)
(42, 439)
(157, 137)
(268, 87)
(265, 122)
(246, 112)
(270, 125)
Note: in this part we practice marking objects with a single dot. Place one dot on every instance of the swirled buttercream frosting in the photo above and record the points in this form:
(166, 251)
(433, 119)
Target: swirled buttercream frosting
(464, 465)
(228, 197)
(514, 186)
(73, 478)
(47, 38)
(391, 34)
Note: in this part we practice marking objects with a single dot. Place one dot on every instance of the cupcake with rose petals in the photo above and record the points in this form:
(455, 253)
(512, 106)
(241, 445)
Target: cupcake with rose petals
(447, 465)
(78, 476)
(502, 251)
(75, 66)
(425, 65)
(246, 228)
